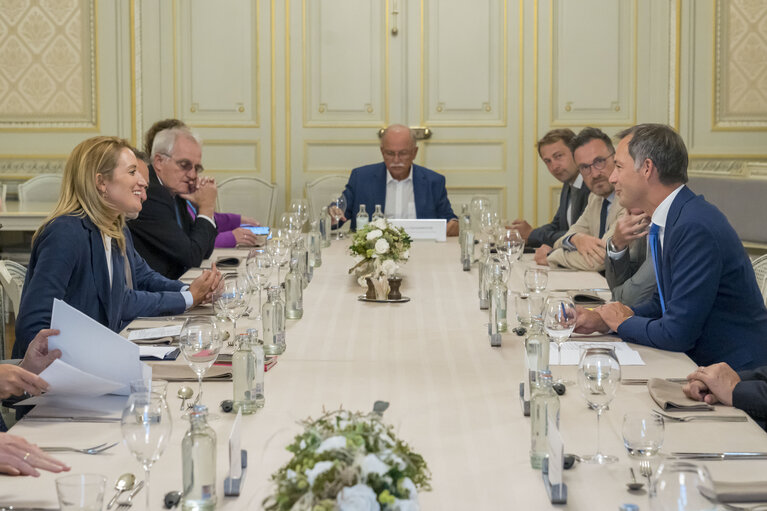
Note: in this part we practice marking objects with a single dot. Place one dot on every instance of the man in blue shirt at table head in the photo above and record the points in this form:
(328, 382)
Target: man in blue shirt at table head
(707, 302)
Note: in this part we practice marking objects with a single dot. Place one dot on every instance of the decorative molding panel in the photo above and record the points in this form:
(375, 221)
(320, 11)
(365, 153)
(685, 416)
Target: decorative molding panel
(727, 167)
(339, 156)
(469, 156)
(464, 83)
(232, 155)
(211, 90)
(29, 167)
(741, 65)
(47, 64)
(458, 195)
(594, 59)
(344, 63)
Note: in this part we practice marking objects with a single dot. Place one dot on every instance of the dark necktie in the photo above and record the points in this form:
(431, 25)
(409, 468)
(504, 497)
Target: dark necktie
(603, 217)
(655, 252)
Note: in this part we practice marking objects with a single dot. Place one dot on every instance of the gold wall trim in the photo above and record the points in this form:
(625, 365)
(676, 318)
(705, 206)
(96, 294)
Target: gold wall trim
(677, 62)
(521, 112)
(272, 80)
(174, 18)
(288, 170)
(535, 98)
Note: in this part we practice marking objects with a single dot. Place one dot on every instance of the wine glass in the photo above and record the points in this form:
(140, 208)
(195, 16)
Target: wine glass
(488, 224)
(559, 321)
(292, 224)
(478, 204)
(200, 344)
(232, 297)
(682, 486)
(146, 427)
(301, 208)
(259, 266)
(599, 375)
(278, 247)
(511, 242)
(338, 206)
(536, 279)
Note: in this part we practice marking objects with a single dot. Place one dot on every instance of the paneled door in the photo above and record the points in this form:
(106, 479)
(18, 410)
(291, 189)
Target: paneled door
(445, 65)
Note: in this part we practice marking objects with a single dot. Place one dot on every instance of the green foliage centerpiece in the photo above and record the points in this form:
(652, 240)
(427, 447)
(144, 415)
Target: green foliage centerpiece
(382, 248)
(349, 461)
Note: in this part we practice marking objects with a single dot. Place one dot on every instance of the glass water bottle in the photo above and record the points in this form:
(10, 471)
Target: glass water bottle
(198, 450)
(294, 291)
(324, 226)
(362, 217)
(273, 317)
(301, 254)
(466, 238)
(544, 404)
(314, 244)
(244, 375)
(378, 214)
(536, 353)
(484, 295)
(498, 296)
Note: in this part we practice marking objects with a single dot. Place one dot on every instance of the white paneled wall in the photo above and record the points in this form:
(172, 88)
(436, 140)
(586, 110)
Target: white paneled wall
(291, 90)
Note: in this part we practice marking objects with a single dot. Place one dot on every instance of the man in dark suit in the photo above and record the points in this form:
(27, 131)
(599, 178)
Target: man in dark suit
(165, 234)
(403, 189)
(555, 152)
(707, 302)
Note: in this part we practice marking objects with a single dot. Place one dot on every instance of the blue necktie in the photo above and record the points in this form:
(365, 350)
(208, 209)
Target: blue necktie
(655, 252)
(603, 217)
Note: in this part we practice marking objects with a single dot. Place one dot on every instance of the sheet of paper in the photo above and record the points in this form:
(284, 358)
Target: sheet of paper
(94, 348)
(83, 406)
(65, 380)
(556, 451)
(155, 333)
(571, 353)
(156, 352)
(235, 454)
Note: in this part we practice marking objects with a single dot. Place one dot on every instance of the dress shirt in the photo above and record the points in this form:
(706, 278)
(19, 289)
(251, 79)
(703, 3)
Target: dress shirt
(400, 199)
(576, 184)
(661, 213)
(568, 245)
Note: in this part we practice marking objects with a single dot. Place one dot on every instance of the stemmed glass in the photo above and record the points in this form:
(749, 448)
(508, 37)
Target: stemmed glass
(278, 247)
(338, 206)
(559, 321)
(301, 208)
(200, 344)
(146, 427)
(259, 266)
(488, 224)
(232, 297)
(511, 242)
(536, 279)
(292, 224)
(477, 205)
(599, 375)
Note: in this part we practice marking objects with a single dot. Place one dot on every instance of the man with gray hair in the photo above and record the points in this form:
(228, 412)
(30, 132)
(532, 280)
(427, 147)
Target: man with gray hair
(707, 303)
(165, 234)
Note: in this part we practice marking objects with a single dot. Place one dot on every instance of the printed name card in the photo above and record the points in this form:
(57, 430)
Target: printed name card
(422, 229)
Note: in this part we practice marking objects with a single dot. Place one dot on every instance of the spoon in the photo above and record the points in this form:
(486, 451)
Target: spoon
(634, 485)
(124, 483)
(184, 393)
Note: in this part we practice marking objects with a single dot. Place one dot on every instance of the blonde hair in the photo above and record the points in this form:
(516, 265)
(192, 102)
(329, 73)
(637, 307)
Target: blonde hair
(79, 195)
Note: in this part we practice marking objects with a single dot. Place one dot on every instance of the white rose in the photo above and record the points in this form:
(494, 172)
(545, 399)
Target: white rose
(382, 246)
(331, 444)
(389, 267)
(374, 235)
(405, 254)
(372, 465)
(318, 469)
(409, 485)
(380, 223)
(359, 497)
(404, 505)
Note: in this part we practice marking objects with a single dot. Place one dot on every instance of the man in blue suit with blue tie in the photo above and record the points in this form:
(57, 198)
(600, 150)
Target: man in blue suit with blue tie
(707, 302)
(403, 189)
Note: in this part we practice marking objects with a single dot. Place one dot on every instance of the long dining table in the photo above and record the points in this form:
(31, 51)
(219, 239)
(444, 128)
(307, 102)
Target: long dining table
(452, 396)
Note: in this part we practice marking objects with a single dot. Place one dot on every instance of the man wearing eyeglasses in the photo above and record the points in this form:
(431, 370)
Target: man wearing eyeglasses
(165, 234)
(402, 188)
(583, 246)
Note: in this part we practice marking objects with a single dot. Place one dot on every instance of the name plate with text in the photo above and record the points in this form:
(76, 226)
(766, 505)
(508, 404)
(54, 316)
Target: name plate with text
(422, 229)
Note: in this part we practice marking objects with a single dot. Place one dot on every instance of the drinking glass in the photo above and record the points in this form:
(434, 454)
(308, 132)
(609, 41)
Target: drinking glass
(301, 208)
(680, 486)
(488, 224)
(478, 204)
(278, 247)
(338, 206)
(536, 279)
(599, 375)
(292, 224)
(259, 266)
(529, 308)
(232, 297)
(159, 387)
(642, 433)
(559, 321)
(200, 344)
(81, 491)
(511, 242)
(146, 428)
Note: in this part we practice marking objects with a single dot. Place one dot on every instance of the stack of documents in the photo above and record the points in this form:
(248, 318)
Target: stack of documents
(571, 353)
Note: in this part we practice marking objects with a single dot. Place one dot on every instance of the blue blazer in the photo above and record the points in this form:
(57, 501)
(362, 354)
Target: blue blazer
(367, 185)
(714, 309)
(68, 262)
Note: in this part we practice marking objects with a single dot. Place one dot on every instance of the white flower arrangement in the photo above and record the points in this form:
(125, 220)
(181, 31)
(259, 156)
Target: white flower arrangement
(382, 247)
(349, 461)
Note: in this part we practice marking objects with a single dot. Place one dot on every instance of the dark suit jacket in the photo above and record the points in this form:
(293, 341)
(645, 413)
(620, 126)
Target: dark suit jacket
(631, 277)
(714, 309)
(549, 233)
(750, 394)
(68, 262)
(367, 185)
(170, 249)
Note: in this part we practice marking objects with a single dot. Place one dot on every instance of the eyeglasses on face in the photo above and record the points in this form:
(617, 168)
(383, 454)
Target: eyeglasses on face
(598, 164)
(185, 165)
(401, 154)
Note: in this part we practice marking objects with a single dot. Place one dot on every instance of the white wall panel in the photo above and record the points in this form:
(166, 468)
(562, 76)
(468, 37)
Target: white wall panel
(231, 155)
(465, 155)
(338, 156)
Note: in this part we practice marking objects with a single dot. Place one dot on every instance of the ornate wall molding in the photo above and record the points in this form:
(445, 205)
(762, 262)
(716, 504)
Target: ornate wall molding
(29, 167)
(727, 167)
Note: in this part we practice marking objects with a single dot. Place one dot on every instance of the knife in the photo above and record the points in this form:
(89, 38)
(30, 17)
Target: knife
(718, 456)
(74, 418)
(643, 381)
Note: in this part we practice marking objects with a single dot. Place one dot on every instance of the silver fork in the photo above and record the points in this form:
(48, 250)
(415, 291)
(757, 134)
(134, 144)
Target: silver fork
(124, 506)
(646, 471)
(711, 418)
(96, 449)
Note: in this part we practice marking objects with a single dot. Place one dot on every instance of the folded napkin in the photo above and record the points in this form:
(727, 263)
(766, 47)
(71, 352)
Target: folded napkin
(755, 491)
(670, 396)
(178, 372)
